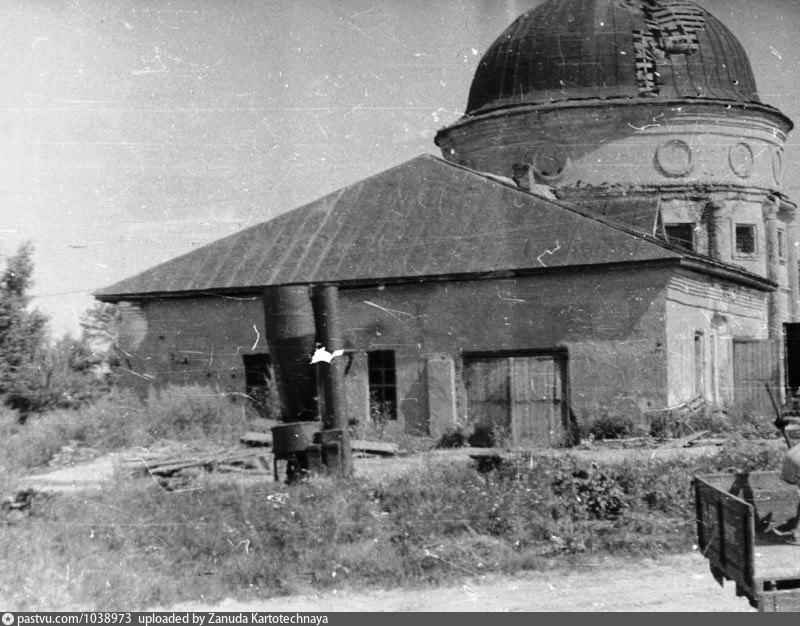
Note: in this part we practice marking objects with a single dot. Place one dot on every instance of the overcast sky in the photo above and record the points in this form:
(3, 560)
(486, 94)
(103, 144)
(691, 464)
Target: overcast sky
(132, 131)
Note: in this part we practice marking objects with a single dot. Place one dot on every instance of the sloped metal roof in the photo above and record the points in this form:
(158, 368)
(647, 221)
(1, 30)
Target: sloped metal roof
(578, 49)
(423, 218)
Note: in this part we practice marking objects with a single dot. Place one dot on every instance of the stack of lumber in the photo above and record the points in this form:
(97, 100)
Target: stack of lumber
(375, 448)
(368, 448)
(253, 438)
(228, 460)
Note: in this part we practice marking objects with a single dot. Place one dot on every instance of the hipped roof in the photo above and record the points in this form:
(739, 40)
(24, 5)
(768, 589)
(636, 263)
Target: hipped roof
(424, 218)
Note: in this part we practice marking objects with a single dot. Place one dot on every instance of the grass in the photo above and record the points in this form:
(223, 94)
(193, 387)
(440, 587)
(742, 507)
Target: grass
(137, 546)
(119, 420)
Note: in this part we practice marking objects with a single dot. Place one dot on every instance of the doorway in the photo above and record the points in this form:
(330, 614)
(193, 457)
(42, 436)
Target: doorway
(792, 338)
(756, 367)
(522, 395)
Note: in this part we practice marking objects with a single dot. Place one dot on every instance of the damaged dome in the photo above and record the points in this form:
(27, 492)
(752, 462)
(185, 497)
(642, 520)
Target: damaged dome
(583, 49)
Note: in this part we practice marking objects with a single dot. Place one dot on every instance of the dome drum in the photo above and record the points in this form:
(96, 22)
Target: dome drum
(652, 143)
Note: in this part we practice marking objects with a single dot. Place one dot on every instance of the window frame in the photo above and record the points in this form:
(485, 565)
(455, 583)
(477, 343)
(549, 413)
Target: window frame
(740, 253)
(692, 226)
(382, 382)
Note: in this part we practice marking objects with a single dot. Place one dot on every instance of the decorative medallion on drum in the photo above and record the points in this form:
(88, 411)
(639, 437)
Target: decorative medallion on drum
(777, 166)
(549, 162)
(674, 158)
(741, 159)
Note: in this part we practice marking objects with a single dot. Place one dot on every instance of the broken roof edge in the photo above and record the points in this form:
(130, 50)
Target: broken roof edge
(726, 272)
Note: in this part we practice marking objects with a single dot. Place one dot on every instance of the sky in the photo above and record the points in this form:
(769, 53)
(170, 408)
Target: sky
(132, 131)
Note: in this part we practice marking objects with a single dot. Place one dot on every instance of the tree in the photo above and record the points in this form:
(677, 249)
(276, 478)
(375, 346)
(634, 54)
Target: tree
(37, 373)
(22, 332)
(100, 335)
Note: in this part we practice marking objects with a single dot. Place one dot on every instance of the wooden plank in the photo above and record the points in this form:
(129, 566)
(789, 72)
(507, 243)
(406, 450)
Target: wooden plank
(710, 441)
(169, 468)
(384, 448)
(683, 442)
(783, 601)
(727, 532)
(173, 464)
(253, 438)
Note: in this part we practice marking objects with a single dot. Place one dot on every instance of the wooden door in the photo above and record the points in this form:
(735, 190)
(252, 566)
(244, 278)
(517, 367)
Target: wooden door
(755, 365)
(537, 410)
(488, 392)
(522, 395)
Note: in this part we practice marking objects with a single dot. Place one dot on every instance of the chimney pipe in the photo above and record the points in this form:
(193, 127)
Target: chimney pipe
(325, 303)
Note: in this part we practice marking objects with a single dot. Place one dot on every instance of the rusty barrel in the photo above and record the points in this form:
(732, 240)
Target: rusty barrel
(291, 438)
(289, 323)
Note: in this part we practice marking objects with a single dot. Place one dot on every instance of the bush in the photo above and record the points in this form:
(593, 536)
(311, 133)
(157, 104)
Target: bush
(598, 495)
(611, 427)
(60, 376)
(453, 437)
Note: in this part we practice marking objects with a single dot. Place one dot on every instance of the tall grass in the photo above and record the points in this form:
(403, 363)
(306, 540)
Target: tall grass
(120, 419)
(138, 546)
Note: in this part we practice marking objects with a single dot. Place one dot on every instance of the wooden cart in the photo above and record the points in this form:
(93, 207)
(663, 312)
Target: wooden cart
(732, 512)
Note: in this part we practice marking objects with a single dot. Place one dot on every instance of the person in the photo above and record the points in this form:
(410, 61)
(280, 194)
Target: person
(790, 473)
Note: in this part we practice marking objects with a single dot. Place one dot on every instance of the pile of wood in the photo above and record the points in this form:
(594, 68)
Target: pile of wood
(358, 446)
(695, 440)
(228, 460)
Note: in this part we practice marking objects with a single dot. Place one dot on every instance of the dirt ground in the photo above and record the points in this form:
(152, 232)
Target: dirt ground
(675, 583)
(96, 474)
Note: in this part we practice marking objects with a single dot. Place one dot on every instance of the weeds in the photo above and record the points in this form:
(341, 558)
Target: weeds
(453, 437)
(138, 546)
(611, 427)
(118, 420)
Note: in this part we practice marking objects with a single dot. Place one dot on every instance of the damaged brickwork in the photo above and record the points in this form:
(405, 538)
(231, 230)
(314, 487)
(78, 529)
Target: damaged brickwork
(669, 29)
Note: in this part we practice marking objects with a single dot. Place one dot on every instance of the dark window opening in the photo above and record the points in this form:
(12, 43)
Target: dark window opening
(681, 235)
(745, 239)
(781, 245)
(259, 387)
(792, 338)
(699, 365)
(382, 384)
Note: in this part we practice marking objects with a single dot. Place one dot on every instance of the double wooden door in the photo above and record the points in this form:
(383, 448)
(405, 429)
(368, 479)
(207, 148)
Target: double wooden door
(524, 396)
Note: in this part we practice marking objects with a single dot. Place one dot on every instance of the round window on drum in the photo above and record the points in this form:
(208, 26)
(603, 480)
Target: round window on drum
(674, 158)
(741, 159)
(777, 166)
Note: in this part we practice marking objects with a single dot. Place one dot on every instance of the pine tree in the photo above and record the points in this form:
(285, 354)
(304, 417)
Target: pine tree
(22, 332)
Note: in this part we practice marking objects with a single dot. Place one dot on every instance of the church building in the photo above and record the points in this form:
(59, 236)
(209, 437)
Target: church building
(604, 234)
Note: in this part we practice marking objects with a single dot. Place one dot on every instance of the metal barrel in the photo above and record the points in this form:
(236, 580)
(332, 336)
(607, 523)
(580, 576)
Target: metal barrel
(290, 334)
(292, 437)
